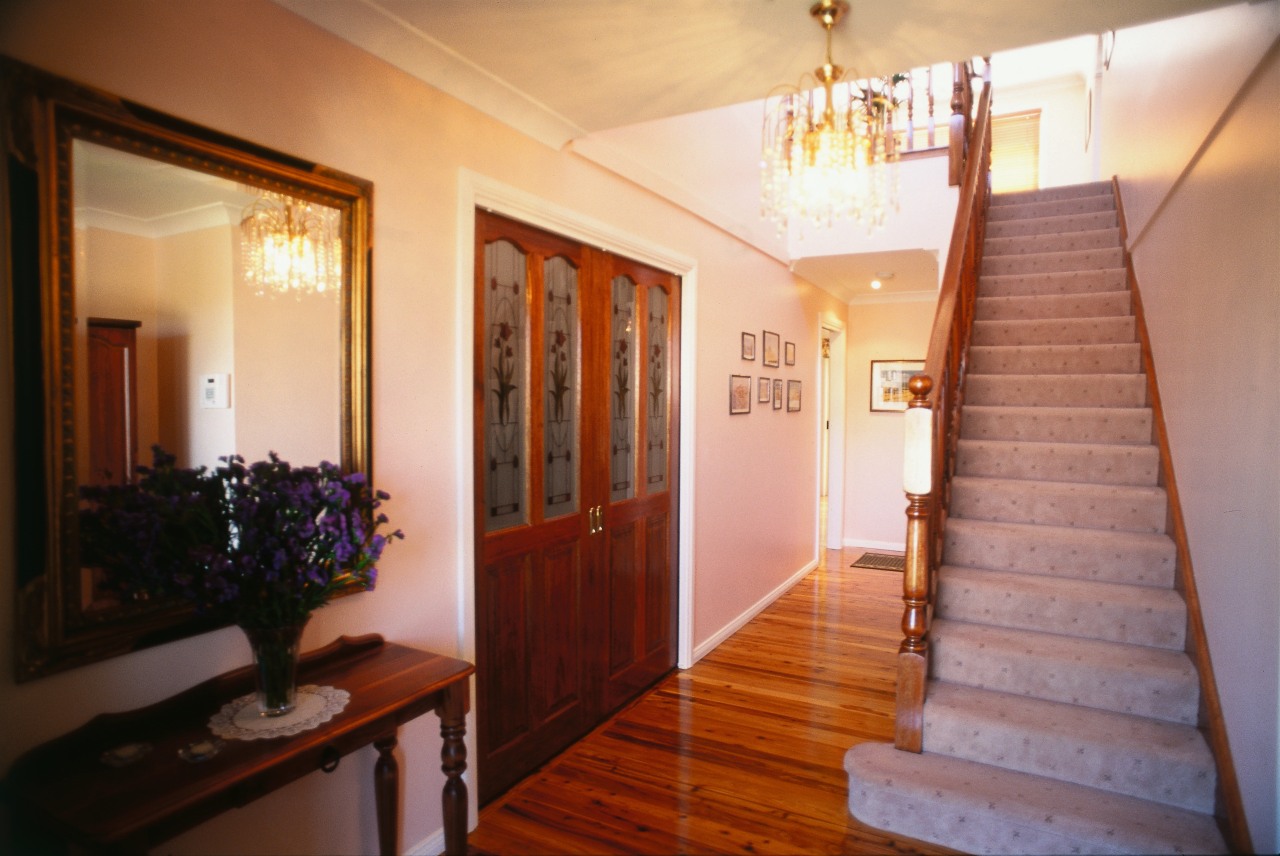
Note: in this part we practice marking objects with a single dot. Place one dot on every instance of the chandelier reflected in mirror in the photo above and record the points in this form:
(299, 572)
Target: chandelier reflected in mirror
(291, 247)
(828, 147)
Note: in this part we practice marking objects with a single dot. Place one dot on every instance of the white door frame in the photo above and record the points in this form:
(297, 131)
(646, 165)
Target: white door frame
(834, 328)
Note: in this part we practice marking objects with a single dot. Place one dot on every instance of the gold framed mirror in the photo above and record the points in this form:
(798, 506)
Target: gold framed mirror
(170, 286)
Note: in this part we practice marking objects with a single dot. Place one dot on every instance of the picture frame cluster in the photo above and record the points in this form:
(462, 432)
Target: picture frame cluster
(774, 393)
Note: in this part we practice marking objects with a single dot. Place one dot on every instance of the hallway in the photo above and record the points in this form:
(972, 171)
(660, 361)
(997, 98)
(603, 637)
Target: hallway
(740, 754)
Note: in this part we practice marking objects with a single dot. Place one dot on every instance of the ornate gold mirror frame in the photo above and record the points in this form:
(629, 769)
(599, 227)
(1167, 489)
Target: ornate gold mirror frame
(49, 124)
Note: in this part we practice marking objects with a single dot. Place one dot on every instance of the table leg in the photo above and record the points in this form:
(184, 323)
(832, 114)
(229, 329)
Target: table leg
(453, 758)
(386, 790)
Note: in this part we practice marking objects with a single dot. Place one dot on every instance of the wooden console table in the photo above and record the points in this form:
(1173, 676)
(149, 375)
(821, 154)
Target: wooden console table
(61, 791)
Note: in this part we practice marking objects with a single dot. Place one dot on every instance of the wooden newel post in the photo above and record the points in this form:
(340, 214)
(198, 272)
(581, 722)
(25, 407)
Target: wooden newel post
(913, 653)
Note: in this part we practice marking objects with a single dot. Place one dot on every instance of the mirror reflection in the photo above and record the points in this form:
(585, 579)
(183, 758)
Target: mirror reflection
(181, 340)
(170, 285)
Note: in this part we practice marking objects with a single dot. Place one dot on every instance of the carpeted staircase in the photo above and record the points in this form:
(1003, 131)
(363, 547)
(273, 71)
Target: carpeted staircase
(1061, 712)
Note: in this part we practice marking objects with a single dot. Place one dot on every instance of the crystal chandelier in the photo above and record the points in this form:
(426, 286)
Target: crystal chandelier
(829, 153)
(290, 246)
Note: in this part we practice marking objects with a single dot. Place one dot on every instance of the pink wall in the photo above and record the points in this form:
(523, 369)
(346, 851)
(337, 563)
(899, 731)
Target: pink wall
(222, 65)
(875, 507)
(1208, 263)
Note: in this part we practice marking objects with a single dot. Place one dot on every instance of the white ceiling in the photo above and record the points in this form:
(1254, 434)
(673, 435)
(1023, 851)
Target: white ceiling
(639, 85)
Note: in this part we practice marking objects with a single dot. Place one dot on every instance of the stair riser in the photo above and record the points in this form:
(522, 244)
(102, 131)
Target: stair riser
(1075, 506)
(1143, 616)
(1018, 245)
(1017, 307)
(1043, 284)
(1055, 359)
(1051, 225)
(1111, 557)
(1057, 208)
(1169, 695)
(1059, 462)
(1073, 331)
(1053, 262)
(1111, 755)
(1104, 390)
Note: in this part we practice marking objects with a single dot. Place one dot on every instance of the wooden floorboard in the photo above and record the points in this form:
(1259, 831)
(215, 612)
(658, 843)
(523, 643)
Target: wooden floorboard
(740, 754)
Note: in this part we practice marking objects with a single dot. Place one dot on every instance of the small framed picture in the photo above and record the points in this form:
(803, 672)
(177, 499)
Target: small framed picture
(793, 396)
(790, 351)
(739, 394)
(748, 346)
(772, 345)
(777, 394)
(764, 390)
(889, 379)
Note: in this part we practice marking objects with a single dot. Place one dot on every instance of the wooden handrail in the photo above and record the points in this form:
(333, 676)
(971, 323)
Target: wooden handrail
(945, 364)
(961, 121)
(1230, 801)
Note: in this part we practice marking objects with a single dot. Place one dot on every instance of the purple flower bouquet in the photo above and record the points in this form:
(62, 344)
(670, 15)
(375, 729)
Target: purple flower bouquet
(262, 545)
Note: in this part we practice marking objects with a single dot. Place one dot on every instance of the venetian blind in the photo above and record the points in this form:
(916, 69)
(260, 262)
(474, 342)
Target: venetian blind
(1015, 152)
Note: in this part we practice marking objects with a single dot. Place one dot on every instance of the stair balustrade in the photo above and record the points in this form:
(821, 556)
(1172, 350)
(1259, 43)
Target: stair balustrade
(938, 392)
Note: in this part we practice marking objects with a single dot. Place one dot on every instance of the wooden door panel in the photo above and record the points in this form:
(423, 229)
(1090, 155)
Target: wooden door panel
(622, 561)
(556, 629)
(535, 690)
(502, 648)
(659, 585)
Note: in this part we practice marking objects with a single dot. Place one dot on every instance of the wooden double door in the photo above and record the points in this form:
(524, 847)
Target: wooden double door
(576, 421)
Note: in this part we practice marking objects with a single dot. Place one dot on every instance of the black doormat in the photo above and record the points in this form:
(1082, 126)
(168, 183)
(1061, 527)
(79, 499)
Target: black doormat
(881, 562)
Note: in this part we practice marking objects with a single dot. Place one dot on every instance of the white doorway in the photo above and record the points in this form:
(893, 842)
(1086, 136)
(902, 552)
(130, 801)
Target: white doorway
(831, 426)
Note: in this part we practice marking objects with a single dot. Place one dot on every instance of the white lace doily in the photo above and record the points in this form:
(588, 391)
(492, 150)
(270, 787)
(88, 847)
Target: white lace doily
(240, 720)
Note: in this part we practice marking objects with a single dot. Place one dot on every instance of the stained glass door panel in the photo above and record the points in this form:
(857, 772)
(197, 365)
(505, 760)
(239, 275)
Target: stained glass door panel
(560, 372)
(507, 382)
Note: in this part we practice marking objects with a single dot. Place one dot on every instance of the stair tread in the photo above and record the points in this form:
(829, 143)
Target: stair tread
(1082, 505)
(1017, 209)
(1091, 609)
(1087, 358)
(1136, 558)
(1109, 303)
(1126, 678)
(1042, 242)
(1054, 261)
(1105, 389)
(1103, 749)
(1096, 330)
(1052, 225)
(979, 808)
(1101, 463)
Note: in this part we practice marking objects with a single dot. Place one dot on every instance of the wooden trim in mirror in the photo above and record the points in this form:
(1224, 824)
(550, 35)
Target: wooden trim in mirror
(44, 117)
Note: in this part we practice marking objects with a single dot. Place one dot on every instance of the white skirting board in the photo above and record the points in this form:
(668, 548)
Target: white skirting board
(755, 609)
(891, 546)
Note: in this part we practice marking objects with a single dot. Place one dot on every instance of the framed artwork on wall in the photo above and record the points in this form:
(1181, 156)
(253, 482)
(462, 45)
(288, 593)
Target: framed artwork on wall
(764, 390)
(739, 394)
(793, 396)
(748, 346)
(772, 345)
(777, 394)
(889, 380)
(790, 352)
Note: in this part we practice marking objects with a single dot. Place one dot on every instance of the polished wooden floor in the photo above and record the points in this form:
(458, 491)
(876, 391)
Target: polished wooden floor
(740, 754)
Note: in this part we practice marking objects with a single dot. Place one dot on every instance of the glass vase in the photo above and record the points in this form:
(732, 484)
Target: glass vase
(275, 660)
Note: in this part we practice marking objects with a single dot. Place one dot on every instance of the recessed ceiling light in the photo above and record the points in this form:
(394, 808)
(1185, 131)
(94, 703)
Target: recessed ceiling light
(875, 284)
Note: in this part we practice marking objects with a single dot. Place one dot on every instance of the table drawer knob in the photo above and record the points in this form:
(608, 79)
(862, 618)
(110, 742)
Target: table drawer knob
(329, 759)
